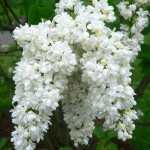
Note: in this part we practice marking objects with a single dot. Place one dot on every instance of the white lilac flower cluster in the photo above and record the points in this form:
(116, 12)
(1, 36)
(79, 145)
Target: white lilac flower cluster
(78, 60)
(40, 78)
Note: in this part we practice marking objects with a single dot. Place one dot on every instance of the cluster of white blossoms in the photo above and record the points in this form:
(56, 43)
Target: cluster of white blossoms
(78, 60)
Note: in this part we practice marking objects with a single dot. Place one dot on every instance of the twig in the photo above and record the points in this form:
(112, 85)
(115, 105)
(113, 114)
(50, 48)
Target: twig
(143, 123)
(142, 86)
(6, 28)
(49, 143)
(6, 12)
(7, 5)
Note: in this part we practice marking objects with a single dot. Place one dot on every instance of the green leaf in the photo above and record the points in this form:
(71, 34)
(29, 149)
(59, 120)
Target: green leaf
(12, 2)
(99, 146)
(147, 39)
(40, 9)
(144, 64)
(8, 148)
(3, 142)
(28, 4)
(145, 52)
(73, 15)
(52, 3)
(146, 30)
(111, 134)
(46, 12)
(112, 146)
(87, 2)
(117, 1)
(34, 16)
(98, 132)
(48, 2)
(145, 55)
(65, 148)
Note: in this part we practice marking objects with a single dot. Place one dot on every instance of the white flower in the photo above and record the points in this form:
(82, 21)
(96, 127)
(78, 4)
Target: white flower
(79, 60)
(126, 10)
(142, 2)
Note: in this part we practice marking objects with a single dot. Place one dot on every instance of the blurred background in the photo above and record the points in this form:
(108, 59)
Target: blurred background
(15, 12)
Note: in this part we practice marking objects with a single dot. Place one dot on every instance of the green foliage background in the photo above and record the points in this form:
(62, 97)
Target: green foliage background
(32, 11)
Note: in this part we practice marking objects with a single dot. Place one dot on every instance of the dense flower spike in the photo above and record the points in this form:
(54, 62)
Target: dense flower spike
(79, 60)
